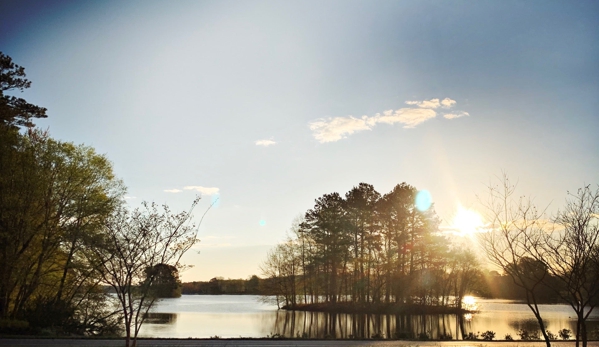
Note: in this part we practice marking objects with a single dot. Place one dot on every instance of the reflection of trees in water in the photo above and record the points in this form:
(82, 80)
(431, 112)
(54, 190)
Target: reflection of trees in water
(160, 318)
(347, 326)
(526, 324)
(554, 325)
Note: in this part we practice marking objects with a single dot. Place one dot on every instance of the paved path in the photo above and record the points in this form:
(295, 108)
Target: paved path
(274, 343)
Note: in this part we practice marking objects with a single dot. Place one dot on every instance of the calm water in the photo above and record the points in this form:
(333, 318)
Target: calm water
(225, 316)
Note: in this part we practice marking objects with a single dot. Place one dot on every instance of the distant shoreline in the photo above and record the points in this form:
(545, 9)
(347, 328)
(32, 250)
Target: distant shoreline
(375, 308)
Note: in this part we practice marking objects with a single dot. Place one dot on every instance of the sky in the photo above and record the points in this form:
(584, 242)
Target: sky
(264, 106)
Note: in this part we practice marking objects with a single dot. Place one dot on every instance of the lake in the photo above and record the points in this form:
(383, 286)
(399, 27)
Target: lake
(233, 316)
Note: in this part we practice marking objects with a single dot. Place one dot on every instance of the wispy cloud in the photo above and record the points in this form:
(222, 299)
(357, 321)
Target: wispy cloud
(336, 128)
(203, 190)
(455, 115)
(173, 190)
(265, 143)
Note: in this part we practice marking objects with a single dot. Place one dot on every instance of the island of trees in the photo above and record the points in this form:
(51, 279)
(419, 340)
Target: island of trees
(367, 252)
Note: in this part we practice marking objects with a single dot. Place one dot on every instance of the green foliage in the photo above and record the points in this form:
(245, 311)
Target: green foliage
(163, 280)
(15, 111)
(55, 196)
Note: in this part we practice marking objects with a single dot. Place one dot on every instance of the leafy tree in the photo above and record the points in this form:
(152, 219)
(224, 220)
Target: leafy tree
(327, 225)
(15, 111)
(54, 197)
(164, 279)
(362, 217)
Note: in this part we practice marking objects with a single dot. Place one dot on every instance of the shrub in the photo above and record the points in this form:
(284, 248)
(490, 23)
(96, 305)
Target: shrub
(488, 335)
(402, 335)
(11, 326)
(445, 337)
(471, 336)
(508, 337)
(377, 336)
(528, 335)
(565, 334)
(304, 335)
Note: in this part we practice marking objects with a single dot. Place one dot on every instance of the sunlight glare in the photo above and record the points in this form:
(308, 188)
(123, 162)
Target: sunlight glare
(469, 302)
(467, 221)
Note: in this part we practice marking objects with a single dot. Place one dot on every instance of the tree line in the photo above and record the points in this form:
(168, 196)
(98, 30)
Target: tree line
(367, 248)
(378, 251)
(66, 232)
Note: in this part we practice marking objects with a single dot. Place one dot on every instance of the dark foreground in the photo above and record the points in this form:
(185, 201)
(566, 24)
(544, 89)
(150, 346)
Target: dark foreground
(278, 343)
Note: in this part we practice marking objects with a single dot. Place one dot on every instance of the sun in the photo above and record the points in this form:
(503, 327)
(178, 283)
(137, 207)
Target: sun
(467, 221)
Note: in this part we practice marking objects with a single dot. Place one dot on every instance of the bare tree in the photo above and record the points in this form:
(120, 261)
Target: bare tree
(570, 253)
(516, 229)
(134, 241)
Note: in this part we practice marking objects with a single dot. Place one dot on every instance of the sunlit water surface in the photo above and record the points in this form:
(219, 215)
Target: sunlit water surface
(228, 316)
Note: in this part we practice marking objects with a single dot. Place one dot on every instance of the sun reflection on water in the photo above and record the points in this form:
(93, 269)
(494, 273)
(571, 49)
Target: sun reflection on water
(469, 303)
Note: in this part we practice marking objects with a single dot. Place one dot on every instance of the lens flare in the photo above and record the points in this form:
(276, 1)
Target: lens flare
(423, 200)
(262, 222)
(215, 200)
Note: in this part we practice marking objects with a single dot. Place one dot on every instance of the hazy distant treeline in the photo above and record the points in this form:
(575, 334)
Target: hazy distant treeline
(493, 286)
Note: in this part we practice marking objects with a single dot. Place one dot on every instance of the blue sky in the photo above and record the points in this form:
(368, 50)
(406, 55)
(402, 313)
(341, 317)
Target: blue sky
(270, 104)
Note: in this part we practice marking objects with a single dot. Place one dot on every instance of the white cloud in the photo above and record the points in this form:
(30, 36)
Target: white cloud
(265, 143)
(447, 103)
(173, 190)
(455, 115)
(409, 117)
(203, 190)
(335, 129)
(432, 103)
